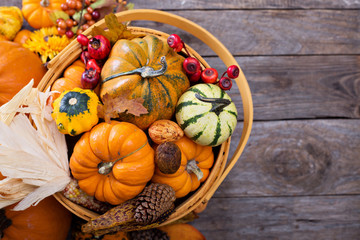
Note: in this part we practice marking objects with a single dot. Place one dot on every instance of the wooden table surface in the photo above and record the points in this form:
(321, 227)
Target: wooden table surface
(299, 176)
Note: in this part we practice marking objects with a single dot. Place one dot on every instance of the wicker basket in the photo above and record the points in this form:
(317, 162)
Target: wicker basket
(196, 201)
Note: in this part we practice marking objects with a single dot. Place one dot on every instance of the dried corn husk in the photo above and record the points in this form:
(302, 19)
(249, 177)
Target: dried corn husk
(33, 153)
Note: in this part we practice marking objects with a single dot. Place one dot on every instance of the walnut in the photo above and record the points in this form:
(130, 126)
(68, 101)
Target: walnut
(165, 131)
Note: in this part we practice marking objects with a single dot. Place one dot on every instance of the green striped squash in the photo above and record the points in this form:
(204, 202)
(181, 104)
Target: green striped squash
(206, 114)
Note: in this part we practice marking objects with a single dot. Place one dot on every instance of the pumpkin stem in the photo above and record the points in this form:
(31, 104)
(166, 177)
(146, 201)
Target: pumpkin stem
(4, 222)
(192, 167)
(145, 72)
(105, 167)
(218, 104)
(45, 3)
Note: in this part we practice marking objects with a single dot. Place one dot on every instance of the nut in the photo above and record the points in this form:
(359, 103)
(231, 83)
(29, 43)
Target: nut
(165, 131)
(168, 157)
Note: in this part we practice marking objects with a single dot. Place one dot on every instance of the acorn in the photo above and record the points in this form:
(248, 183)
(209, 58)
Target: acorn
(168, 157)
(150, 208)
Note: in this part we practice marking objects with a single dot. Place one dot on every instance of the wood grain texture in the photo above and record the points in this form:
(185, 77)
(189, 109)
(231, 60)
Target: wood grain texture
(289, 158)
(300, 218)
(274, 32)
(245, 4)
(289, 87)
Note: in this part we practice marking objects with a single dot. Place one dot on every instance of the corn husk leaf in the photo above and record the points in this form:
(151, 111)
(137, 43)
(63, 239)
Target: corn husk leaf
(33, 153)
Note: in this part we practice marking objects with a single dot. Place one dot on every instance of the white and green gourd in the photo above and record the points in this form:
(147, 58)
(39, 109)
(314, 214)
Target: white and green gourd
(206, 114)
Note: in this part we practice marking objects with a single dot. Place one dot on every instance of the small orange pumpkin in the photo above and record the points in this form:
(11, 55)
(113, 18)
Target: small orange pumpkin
(18, 66)
(70, 80)
(22, 36)
(47, 220)
(196, 161)
(36, 12)
(113, 162)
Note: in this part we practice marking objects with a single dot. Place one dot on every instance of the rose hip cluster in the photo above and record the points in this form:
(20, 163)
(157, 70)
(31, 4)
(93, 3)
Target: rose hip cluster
(94, 52)
(194, 71)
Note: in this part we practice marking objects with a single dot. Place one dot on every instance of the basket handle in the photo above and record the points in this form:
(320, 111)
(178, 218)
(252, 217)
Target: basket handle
(224, 54)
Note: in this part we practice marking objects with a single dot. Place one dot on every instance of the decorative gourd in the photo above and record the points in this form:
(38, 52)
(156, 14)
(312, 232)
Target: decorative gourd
(22, 36)
(11, 20)
(113, 162)
(75, 111)
(145, 68)
(47, 220)
(196, 160)
(206, 114)
(18, 66)
(36, 12)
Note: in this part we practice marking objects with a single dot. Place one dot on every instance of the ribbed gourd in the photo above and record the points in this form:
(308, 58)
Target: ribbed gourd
(206, 114)
(113, 162)
(149, 69)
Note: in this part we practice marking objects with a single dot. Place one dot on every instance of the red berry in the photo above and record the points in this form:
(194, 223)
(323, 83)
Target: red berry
(99, 47)
(225, 83)
(178, 48)
(195, 77)
(233, 71)
(95, 15)
(90, 79)
(82, 39)
(64, 6)
(92, 64)
(174, 40)
(191, 65)
(209, 75)
(69, 33)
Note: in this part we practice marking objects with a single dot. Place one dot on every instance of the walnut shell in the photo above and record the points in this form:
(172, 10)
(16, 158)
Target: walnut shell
(168, 157)
(165, 131)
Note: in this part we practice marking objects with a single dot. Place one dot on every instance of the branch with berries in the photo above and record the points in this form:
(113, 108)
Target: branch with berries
(194, 71)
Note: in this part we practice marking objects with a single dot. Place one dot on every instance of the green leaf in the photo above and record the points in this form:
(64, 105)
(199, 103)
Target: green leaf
(56, 14)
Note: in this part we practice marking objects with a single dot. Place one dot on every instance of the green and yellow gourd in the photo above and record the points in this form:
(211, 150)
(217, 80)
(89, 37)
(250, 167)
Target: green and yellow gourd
(145, 68)
(206, 114)
(75, 111)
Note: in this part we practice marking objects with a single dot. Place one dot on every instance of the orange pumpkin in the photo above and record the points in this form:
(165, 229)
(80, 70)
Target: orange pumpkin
(113, 162)
(36, 12)
(70, 80)
(47, 220)
(196, 160)
(22, 36)
(18, 66)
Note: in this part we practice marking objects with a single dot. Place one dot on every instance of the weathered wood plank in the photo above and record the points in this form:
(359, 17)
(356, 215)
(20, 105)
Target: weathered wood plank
(232, 4)
(245, 4)
(286, 158)
(289, 87)
(300, 218)
(274, 32)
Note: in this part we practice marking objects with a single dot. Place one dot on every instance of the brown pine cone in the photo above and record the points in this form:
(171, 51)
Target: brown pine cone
(154, 202)
(150, 234)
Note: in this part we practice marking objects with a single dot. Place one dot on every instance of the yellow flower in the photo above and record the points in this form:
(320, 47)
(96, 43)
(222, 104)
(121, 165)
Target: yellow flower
(47, 43)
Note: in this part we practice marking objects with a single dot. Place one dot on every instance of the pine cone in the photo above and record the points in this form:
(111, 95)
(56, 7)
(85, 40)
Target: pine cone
(150, 234)
(155, 200)
(147, 210)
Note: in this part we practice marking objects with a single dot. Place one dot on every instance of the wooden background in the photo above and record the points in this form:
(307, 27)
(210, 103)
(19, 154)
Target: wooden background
(299, 176)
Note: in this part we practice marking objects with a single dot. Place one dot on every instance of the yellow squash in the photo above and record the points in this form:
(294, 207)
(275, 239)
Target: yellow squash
(75, 111)
(11, 21)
